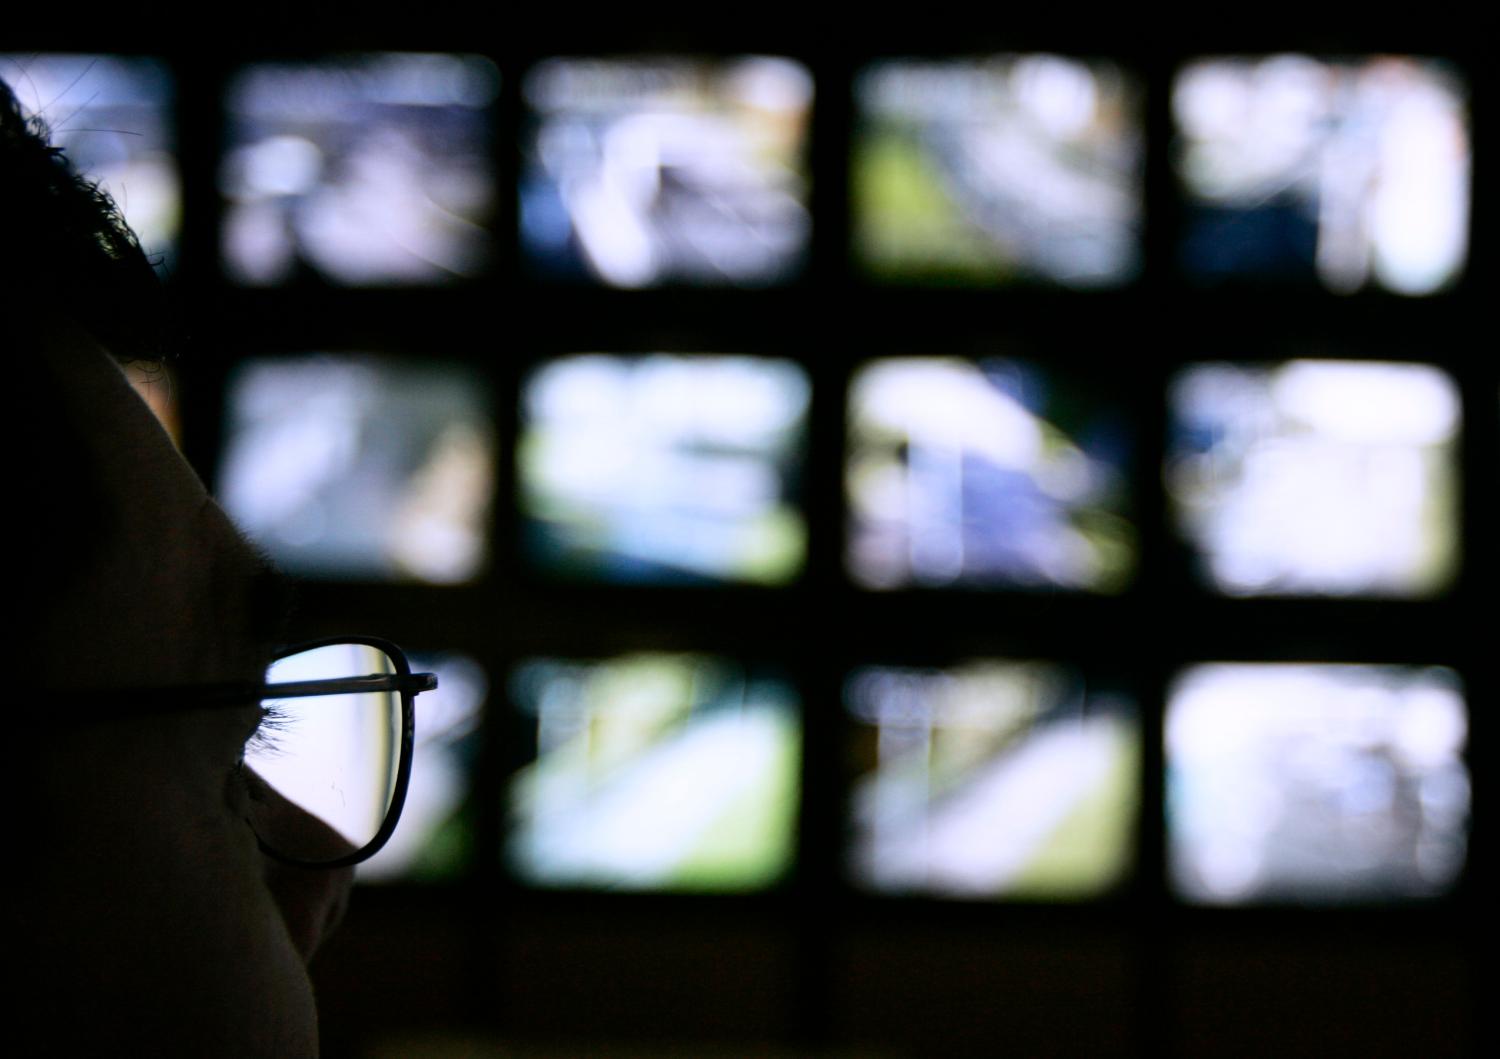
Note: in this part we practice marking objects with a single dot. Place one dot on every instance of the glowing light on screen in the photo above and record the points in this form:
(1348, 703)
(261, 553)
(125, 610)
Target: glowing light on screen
(665, 468)
(990, 779)
(370, 169)
(1278, 472)
(655, 771)
(360, 467)
(1325, 783)
(436, 835)
(671, 170)
(1347, 173)
(1012, 167)
(113, 116)
(984, 472)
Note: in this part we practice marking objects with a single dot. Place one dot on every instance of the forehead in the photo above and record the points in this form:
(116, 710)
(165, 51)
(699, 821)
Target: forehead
(171, 592)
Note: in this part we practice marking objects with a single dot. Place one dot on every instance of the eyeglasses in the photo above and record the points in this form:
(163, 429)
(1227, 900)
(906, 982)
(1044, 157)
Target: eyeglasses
(335, 740)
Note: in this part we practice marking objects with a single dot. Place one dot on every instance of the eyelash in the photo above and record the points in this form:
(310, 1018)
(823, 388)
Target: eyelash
(273, 719)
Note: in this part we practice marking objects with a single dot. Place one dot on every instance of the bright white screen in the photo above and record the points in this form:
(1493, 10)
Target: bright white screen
(1280, 473)
(1327, 783)
(665, 468)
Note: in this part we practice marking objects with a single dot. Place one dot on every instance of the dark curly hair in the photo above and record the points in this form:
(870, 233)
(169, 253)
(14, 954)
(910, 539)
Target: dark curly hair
(65, 249)
(66, 257)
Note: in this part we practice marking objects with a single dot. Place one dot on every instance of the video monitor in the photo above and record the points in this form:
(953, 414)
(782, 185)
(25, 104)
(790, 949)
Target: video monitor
(988, 473)
(655, 772)
(360, 467)
(1348, 173)
(673, 170)
(434, 841)
(370, 169)
(996, 170)
(113, 116)
(664, 468)
(990, 779)
(1302, 783)
(1277, 474)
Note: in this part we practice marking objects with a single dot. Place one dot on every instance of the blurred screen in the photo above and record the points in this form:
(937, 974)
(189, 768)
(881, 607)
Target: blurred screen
(435, 838)
(665, 468)
(672, 170)
(371, 169)
(113, 116)
(1320, 783)
(986, 472)
(655, 771)
(360, 467)
(1345, 173)
(1277, 474)
(990, 779)
(1015, 167)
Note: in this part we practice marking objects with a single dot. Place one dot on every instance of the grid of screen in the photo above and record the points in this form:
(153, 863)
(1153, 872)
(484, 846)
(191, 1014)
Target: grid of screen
(993, 473)
(677, 469)
(658, 763)
(378, 168)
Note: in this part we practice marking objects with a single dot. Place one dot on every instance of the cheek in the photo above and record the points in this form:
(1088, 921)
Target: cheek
(159, 922)
(240, 937)
(311, 901)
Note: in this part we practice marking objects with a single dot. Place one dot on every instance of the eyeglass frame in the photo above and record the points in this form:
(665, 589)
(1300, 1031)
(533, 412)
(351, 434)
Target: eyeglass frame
(183, 698)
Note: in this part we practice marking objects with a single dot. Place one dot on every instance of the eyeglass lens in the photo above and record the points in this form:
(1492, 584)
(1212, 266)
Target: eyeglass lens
(334, 756)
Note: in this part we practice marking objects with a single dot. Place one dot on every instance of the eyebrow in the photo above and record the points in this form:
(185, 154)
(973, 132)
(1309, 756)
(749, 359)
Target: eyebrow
(251, 598)
(269, 600)
(242, 580)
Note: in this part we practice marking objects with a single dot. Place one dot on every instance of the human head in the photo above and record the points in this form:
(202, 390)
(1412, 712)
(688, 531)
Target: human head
(144, 917)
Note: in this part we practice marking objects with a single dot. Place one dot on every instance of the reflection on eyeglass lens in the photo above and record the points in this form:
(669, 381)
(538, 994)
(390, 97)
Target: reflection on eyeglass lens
(334, 756)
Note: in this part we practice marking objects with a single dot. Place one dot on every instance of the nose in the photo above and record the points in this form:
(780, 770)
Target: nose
(312, 901)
